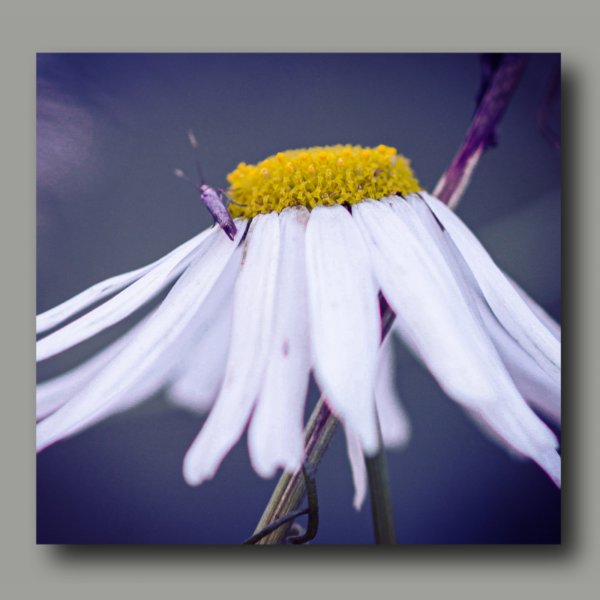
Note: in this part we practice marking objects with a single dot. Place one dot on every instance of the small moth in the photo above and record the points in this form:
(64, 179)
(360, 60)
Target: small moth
(213, 199)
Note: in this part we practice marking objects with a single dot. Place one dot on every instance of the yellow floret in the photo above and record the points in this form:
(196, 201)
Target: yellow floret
(319, 175)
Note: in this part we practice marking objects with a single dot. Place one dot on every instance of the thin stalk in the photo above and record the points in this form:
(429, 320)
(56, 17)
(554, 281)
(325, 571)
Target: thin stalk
(482, 131)
(291, 488)
(381, 497)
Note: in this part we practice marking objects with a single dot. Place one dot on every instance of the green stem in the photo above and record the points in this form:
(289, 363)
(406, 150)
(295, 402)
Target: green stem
(291, 489)
(381, 498)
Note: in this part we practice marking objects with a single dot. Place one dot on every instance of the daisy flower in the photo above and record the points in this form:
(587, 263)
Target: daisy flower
(322, 233)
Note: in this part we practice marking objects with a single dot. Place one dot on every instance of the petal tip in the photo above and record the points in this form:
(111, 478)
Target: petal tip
(196, 471)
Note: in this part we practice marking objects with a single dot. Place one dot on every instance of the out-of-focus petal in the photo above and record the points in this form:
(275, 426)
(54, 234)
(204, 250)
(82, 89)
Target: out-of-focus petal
(197, 381)
(393, 421)
(166, 367)
(253, 302)
(124, 303)
(359, 468)
(165, 326)
(52, 394)
(53, 317)
(345, 327)
(431, 308)
(275, 434)
(506, 303)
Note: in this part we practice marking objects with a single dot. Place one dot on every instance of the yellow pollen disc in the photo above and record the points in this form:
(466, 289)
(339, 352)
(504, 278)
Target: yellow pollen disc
(319, 175)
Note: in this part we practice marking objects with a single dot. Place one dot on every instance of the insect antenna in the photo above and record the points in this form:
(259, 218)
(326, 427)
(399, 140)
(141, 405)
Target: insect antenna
(183, 176)
(194, 143)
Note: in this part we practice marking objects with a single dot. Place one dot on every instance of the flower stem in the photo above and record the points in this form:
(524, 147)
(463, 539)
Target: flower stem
(291, 488)
(482, 132)
(312, 511)
(381, 496)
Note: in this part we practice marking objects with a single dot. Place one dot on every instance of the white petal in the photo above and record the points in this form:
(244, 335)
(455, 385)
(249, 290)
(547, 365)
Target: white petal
(506, 303)
(124, 303)
(537, 388)
(148, 383)
(164, 369)
(552, 326)
(275, 434)
(345, 326)
(412, 284)
(359, 467)
(152, 380)
(197, 384)
(165, 326)
(393, 421)
(198, 381)
(433, 312)
(533, 383)
(250, 343)
(105, 288)
(52, 394)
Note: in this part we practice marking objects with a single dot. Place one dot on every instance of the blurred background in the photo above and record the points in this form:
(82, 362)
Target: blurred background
(111, 128)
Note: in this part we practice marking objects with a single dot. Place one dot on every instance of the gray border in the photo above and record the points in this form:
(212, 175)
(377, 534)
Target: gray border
(309, 26)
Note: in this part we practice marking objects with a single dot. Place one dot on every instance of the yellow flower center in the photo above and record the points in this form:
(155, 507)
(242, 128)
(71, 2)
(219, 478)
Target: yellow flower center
(319, 175)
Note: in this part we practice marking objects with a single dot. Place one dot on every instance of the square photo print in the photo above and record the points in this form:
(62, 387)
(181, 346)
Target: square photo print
(298, 299)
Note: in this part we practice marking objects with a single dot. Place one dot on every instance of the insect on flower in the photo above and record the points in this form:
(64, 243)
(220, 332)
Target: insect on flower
(213, 199)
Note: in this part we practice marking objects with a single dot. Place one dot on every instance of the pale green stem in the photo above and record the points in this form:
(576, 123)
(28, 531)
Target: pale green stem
(291, 489)
(381, 497)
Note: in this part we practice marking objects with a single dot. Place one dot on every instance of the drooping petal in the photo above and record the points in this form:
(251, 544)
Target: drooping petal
(433, 313)
(205, 331)
(393, 421)
(124, 303)
(196, 383)
(533, 383)
(411, 282)
(359, 468)
(166, 367)
(52, 394)
(165, 326)
(345, 327)
(275, 434)
(506, 303)
(53, 317)
(537, 388)
(253, 302)
(551, 325)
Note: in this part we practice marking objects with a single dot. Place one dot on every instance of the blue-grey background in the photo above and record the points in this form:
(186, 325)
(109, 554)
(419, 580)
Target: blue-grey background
(111, 129)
